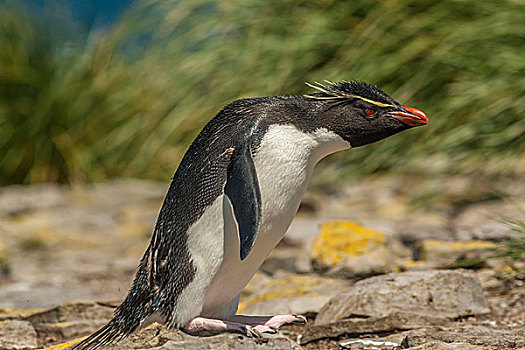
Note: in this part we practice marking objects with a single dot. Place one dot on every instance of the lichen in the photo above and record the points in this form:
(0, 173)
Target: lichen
(434, 244)
(345, 238)
(64, 345)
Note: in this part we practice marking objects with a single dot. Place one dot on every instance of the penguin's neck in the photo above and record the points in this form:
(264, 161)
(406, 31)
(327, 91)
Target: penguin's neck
(286, 144)
(327, 142)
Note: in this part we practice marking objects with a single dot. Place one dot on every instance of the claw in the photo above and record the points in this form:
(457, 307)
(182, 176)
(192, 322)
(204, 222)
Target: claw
(252, 332)
(300, 319)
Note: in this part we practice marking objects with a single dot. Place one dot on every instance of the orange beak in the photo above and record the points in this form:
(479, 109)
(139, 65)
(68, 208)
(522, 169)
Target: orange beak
(414, 117)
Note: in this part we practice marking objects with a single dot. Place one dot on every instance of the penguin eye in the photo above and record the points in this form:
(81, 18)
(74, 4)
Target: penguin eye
(370, 112)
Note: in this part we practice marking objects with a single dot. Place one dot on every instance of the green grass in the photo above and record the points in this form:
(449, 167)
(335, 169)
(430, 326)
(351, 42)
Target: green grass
(78, 106)
(515, 249)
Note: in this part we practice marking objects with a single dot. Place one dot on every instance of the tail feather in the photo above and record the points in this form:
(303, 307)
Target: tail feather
(106, 335)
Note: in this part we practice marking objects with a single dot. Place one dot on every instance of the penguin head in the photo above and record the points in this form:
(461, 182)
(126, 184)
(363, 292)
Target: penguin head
(362, 113)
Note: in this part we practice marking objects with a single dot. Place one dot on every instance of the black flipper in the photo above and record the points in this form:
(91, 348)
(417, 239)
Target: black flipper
(242, 188)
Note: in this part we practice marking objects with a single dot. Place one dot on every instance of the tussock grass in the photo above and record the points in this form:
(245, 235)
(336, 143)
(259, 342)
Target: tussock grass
(84, 106)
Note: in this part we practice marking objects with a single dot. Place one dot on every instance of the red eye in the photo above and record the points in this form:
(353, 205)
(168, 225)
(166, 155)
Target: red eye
(370, 112)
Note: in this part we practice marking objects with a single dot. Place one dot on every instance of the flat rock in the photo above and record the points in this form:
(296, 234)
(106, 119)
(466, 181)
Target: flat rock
(472, 335)
(49, 333)
(396, 321)
(68, 312)
(17, 335)
(18, 314)
(158, 337)
(154, 336)
(447, 293)
(369, 343)
(296, 294)
(230, 342)
(439, 345)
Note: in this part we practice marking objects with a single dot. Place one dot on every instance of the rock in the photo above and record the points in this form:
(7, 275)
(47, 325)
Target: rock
(448, 293)
(17, 335)
(443, 253)
(121, 192)
(35, 295)
(289, 254)
(18, 314)
(394, 321)
(158, 337)
(375, 343)
(16, 200)
(486, 221)
(488, 279)
(389, 342)
(288, 257)
(73, 312)
(473, 335)
(296, 294)
(230, 342)
(147, 338)
(66, 321)
(439, 345)
(49, 333)
(427, 225)
(154, 336)
(417, 265)
(70, 246)
(344, 248)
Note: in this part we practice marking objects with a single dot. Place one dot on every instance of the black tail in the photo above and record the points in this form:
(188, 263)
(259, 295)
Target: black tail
(108, 334)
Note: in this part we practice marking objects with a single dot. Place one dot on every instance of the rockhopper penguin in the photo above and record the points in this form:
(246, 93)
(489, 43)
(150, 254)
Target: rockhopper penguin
(232, 199)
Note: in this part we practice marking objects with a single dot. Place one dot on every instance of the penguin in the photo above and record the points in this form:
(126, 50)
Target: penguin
(232, 199)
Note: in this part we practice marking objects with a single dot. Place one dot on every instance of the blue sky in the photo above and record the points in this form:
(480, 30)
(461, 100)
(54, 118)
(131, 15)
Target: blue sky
(97, 13)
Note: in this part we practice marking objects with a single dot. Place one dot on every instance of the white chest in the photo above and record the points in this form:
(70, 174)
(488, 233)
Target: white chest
(284, 165)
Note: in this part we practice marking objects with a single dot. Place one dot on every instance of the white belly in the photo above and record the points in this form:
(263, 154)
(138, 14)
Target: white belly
(284, 163)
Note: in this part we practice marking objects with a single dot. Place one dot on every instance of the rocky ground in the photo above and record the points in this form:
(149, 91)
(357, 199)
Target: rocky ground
(363, 263)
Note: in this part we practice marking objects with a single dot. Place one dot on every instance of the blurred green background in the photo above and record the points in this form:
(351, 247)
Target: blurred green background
(82, 103)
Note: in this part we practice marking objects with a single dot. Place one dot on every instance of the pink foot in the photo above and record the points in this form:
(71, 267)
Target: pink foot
(208, 326)
(268, 324)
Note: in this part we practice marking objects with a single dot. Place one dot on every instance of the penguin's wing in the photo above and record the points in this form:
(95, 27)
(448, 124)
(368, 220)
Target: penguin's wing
(242, 188)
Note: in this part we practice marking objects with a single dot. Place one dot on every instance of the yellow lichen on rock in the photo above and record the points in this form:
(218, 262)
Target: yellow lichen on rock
(64, 345)
(446, 252)
(447, 246)
(339, 239)
(18, 313)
